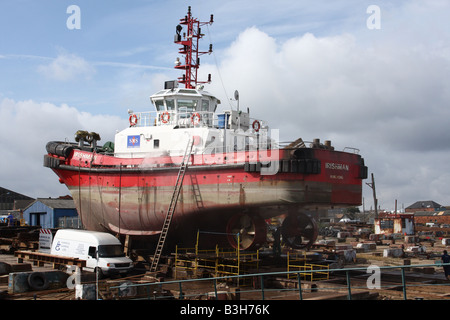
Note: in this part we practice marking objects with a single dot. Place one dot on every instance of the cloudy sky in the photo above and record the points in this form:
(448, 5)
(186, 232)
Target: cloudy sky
(372, 75)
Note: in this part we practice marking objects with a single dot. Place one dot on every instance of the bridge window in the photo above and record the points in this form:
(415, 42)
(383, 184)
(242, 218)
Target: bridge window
(187, 104)
(205, 105)
(170, 104)
(159, 104)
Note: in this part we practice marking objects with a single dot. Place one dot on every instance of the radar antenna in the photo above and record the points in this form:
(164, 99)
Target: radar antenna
(189, 41)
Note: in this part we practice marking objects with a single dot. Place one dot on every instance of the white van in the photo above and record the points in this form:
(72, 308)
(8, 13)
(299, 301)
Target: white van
(102, 251)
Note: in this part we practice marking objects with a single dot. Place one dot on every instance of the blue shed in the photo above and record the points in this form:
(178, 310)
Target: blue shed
(50, 213)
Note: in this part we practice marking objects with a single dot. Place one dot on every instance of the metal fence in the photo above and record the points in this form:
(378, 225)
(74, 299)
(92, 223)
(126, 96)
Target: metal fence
(155, 290)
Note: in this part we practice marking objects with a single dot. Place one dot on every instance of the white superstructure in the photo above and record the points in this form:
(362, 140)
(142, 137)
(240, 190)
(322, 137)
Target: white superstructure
(184, 113)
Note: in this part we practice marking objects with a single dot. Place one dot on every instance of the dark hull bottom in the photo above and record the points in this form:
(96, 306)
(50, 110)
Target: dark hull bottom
(140, 212)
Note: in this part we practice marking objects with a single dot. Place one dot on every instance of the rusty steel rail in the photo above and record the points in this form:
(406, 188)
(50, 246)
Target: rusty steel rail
(40, 258)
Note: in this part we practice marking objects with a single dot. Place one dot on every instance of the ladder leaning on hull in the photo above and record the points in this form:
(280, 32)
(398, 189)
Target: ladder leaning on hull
(172, 205)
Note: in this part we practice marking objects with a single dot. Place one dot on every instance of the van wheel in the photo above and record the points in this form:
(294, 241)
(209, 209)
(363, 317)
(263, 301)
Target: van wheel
(37, 281)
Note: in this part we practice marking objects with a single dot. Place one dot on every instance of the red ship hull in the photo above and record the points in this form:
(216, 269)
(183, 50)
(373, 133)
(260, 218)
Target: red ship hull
(131, 196)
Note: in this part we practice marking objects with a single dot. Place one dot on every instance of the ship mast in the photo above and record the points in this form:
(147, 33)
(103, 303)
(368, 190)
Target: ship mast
(189, 42)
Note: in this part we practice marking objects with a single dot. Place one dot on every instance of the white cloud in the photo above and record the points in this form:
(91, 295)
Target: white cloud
(390, 101)
(27, 126)
(67, 67)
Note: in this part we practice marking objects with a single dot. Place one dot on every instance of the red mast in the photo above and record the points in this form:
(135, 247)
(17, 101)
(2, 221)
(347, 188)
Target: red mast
(189, 42)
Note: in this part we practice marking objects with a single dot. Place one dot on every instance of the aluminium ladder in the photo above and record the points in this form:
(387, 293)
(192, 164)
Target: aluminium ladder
(172, 206)
(196, 191)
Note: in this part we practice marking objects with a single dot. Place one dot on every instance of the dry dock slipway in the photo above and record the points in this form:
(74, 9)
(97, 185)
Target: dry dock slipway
(210, 206)
(346, 264)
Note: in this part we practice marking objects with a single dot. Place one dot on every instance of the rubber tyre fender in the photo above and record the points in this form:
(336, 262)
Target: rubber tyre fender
(38, 281)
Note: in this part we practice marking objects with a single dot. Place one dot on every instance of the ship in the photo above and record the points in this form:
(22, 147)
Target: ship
(234, 177)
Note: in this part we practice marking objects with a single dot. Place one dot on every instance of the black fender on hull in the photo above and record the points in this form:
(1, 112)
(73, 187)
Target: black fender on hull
(59, 148)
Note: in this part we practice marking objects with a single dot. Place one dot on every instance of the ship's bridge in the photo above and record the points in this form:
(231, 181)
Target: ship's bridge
(178, 107)
(184, 112)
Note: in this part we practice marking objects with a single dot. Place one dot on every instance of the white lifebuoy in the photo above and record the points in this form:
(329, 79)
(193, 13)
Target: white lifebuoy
(256, 125)
(133, 120)
(165, 117)
(195, 118)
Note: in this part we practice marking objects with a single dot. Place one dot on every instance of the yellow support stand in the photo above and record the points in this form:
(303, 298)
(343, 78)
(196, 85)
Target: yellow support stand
(297, 262)
(220, 262)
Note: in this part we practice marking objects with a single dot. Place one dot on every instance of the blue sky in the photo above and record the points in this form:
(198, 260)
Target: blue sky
(121, 39)
(313, 68)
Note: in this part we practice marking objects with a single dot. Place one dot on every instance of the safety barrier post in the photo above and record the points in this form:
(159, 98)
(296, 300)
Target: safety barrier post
(300, 293)
(257, 259)
(181, 292)
(216, 265)
(349, 297)
(215, 288)
(262, 287)
(176, 260)
(198, 236)
(403, 283)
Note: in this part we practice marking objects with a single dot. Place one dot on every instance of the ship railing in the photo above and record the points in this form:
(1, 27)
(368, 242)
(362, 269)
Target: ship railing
(231, 149)
(181, 118)
(299, 143)
(354, 150)
(186, 118)
(293, 144)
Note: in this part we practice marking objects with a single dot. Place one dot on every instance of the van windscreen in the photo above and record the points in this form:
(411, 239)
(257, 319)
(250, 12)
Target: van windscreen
(110, 250)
